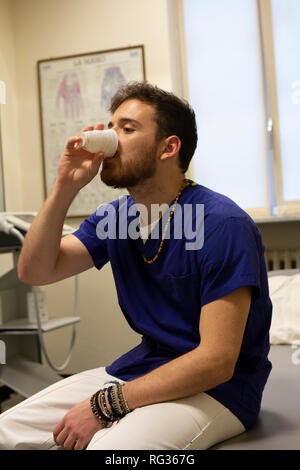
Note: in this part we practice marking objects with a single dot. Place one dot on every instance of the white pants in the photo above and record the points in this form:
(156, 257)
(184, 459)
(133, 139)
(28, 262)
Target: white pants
(197, 422)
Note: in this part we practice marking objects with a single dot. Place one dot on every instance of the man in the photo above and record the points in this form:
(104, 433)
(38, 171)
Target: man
(203, 309)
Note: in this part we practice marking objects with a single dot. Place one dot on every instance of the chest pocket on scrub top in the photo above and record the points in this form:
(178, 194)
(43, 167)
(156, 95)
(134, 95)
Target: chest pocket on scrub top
(185, 292)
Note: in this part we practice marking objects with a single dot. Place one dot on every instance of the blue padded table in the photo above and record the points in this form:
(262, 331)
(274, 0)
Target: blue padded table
(278, 426)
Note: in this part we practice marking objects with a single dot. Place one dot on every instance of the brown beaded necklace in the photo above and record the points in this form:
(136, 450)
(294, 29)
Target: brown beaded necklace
(183, 186)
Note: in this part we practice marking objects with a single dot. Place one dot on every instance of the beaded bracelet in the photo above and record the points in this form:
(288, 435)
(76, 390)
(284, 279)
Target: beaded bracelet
(116, 403)
(102, 403)
(127, 409)
(120, 407)
(96, 410)
(121, 398)
(113, 412)
(116, 400)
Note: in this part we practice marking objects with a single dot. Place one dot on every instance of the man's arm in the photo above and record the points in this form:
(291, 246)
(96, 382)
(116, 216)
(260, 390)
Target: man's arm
(45, 256)
(222, 326)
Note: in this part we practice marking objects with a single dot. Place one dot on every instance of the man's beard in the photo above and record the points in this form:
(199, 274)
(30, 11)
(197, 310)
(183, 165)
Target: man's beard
(118, 175)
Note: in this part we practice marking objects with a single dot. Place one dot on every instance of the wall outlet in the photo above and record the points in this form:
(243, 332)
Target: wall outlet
(42, 305)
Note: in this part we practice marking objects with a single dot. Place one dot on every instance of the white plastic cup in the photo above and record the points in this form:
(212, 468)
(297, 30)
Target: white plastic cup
(105, 141)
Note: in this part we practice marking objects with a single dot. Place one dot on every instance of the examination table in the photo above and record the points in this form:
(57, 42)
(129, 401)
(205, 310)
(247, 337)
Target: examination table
(278, 426)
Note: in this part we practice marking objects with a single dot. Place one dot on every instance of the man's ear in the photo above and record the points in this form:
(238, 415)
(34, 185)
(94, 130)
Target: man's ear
(171, 147)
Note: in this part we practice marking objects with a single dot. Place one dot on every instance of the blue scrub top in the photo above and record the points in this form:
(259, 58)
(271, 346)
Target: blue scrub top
(162, 301)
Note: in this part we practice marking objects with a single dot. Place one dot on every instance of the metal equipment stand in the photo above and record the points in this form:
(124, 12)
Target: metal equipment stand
(23, 371)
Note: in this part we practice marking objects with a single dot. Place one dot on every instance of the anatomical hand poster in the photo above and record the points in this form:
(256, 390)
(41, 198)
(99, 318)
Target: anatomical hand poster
(75, 92)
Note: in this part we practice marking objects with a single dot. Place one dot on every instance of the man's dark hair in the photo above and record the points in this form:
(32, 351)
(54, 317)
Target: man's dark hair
(173, 116)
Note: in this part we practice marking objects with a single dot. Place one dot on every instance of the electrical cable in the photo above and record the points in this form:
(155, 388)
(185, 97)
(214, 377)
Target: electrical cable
(9, 228)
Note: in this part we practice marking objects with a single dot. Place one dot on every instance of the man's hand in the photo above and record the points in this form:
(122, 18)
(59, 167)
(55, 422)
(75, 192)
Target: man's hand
(77, 427)
(76, 165)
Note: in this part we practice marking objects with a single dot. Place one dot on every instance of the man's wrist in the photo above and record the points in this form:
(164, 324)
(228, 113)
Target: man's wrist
(109, 404)
(64, 191)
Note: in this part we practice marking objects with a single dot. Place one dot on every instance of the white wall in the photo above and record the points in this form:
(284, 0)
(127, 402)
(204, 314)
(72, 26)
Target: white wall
(9, 111)
(39, 29)
(9, 119)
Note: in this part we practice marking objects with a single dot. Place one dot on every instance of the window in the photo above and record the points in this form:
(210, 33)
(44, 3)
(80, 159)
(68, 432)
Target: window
(243, 74)
(286, 37)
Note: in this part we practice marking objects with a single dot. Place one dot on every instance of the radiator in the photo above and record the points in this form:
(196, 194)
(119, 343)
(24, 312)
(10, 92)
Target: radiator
(282, 259)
